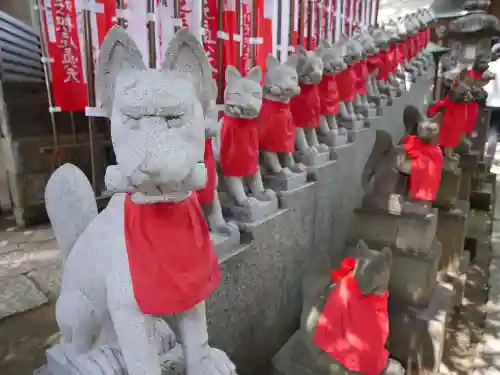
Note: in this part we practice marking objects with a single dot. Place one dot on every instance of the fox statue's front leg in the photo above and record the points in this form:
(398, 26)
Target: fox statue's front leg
(200, 358)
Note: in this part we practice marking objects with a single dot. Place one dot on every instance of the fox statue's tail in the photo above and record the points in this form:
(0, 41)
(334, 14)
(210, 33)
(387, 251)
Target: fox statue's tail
(71, 205)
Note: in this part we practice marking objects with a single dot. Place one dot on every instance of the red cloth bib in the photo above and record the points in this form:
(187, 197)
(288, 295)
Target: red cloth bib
(206, 195)
(385, 66)
(329, 95)
(346, 84)
(305, 107)
(401, 52)
(353, 328)
(173, 264)
(393, 57)
(276, 128)
(426, 166)
(474, 74)
(239, 147)
(453, 121)
(361, 70)
(373, 63)
(473, 106)
(413, 47)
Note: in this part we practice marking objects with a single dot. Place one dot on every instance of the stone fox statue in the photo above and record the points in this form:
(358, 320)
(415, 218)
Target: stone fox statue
(344, 323)
(124, 265)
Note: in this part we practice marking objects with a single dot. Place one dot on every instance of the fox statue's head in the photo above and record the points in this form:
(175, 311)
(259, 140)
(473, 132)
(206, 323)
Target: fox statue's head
(157, 116)
(309, 65)
(243, 95)
(281, 82)
(333, 60)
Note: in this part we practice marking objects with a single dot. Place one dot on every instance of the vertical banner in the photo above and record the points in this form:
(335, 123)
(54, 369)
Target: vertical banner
(331, 21)
(356, 17)
(305, 24)
(164, 28)
(246, 34)
(60, 19)
(265, 30)
(294, 37)
(374, 12)
(325, 24)
(315, 16)
(137, 26)
(285, 29)
(210, 25)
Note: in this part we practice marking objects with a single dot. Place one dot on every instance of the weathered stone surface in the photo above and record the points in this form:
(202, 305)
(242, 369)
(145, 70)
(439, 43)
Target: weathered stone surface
(405, 231)
(22, 261)
(449, 189)
(19, 294)
(417, 337)
(451, 231)
(48, 279)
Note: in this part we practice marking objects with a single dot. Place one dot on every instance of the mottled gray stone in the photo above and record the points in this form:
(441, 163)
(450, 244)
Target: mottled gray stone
(449, 189)
(48, 279)
(22, 261)
(19, 294)
(278, 183)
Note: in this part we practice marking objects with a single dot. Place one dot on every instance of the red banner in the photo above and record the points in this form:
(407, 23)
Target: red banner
(210, 24)
(347, 18)
(332, 21)
(68, 82)
(304, 23)
(264, 29)
(184, 13)
(294, 37)
(246, 34)
(105, 21)
(324, 21)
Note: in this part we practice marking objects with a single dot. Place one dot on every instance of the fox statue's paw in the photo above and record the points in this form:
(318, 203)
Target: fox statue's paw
(214, 362)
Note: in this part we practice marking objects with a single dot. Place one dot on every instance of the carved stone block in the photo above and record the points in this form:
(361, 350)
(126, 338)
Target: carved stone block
(417, 337)
(413, 275)
(223, 244)
(279, 183)
(451, 231)
(334, 138)
(352, 125)
(255, 211)
(459, 279)
(312, 158)
(406, 231)
(449, 189)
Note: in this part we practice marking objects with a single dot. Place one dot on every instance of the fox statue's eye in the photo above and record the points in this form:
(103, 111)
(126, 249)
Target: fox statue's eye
(173, 121)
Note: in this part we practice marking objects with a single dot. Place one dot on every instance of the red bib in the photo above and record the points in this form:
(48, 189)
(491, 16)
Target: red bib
(239, 147)
(373, 63)
(276, 128)
(453, 121)
(385, 66)
(173, 264)
(393, 57)
(206, 195)
(353, 328)
(473, 106)
(329, 95)
(346, 84)
(361, 70)
(305, 107)
(426, 166)
(401, 52)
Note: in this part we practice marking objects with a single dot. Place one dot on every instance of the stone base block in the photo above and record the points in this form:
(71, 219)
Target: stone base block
(406, 231)
(352, 125)
(465, 185)
(255, 211)
(286, 362)
(312, 158)
(470, 160)
(459, 280)
(416, 337)
(290, 182)
(334, 138)
(449, 189)
(226, 244)
(413, 276)
(481, 199)
(451, 231)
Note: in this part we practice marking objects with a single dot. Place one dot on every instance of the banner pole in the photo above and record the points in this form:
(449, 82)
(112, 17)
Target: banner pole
(46, 60)
(176, 13)
(121, 5)
(91, 101)
(151, 34)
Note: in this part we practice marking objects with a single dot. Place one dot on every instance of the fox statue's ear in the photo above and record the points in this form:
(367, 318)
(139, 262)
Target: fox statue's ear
(186, 55)
(118, 55)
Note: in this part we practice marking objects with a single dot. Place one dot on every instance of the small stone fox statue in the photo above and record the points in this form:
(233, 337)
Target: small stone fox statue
(383, 71)
(239, 143)
(333, 63)
(276, 126)
(208, 196)
(364, 79)
(306, 106)
(344, 324)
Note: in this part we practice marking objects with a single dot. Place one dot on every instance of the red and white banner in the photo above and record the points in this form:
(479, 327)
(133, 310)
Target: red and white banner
(294, 37)
(284, 43)
(324, 20)
(331, 20)
(63, 25)
(314, 20)
(210, 25)
(304, 24)
(246, 35)
(68, 79)
(264, 30)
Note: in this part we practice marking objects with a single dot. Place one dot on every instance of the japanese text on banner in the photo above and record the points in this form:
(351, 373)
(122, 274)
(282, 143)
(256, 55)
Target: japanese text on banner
(70, 92)
(210, 24)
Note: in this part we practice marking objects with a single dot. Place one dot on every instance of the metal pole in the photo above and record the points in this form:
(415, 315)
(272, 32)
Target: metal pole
(91, 102)
(47, 73)
(176, 13)
(253, 48)
(151, 35)
(301, 20)
(239, 27)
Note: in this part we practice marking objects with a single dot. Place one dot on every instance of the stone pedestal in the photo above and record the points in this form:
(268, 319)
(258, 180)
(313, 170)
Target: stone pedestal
(405, 231)
(468, 164)
(413, 276)
(225, 244)
(255, 211)
(458, 279)
(312, 161)
(352, 125)
(449, 189)
(281, 182)
(451, 231)
(334, 138)
(416, 336)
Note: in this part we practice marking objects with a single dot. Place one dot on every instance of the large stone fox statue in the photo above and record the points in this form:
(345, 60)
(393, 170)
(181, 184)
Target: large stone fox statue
(149, 252)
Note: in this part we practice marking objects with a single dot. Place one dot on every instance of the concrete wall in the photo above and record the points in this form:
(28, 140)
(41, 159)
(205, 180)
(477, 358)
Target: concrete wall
(20, 9)
(256, 308)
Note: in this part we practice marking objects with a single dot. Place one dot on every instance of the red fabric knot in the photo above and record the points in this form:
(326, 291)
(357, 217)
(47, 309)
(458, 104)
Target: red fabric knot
(426, 166)
(347, 266)
(305, 107)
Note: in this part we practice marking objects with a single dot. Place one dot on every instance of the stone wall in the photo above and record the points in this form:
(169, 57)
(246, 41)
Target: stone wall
(256, 308)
